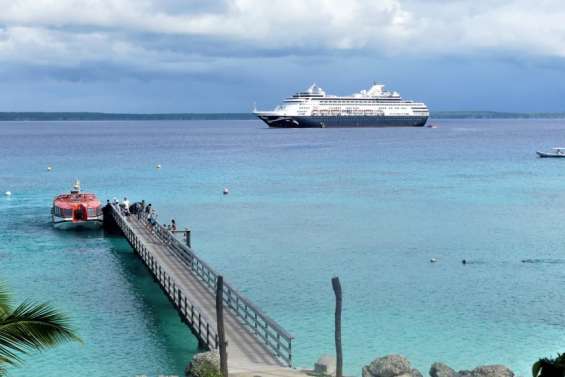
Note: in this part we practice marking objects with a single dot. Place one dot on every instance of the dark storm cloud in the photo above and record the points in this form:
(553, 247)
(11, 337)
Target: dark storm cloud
(263, 50)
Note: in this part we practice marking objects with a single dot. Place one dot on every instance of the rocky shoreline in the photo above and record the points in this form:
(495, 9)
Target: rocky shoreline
(207, 365)
(399, 366)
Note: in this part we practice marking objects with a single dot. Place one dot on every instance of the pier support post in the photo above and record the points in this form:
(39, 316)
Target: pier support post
(187, 236)
(339, 355)
(220, 321)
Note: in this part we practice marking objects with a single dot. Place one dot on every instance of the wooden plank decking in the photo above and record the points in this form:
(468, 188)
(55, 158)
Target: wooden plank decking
(256, 344)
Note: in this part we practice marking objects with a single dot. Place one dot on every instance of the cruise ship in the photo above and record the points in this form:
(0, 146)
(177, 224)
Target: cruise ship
(375, 107)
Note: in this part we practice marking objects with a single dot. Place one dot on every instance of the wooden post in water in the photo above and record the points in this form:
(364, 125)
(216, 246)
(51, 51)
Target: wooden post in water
(220, 322)
(339, 355)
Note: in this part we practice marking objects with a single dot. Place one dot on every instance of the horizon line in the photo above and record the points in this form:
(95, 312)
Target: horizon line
(95, 115)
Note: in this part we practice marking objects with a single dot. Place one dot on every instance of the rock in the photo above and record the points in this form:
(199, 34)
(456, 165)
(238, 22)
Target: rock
(415, 373)
(442, 370)
(492, 371)
(326, 365)
(465, 373)
(390, 366)
(205, 364)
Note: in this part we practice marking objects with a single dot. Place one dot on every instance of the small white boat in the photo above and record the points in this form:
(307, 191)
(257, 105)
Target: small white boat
(555, 153)
(76, 210)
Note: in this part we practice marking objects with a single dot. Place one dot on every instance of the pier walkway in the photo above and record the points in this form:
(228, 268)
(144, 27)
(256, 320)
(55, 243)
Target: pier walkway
(256, 343)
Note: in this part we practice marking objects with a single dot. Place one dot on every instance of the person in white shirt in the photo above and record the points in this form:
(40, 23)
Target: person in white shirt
(125, 204)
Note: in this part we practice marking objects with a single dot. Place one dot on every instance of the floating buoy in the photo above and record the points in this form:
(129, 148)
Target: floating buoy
(49, 168)
(8, 193)
(226, 191)
(433, 260)
(158, 166)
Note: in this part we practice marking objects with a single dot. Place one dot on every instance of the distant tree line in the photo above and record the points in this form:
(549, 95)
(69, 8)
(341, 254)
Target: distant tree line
(78, 116)
(493, 115)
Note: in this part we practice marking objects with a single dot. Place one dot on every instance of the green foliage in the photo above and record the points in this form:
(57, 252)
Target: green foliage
(547, 367)
(29, 327)
(4, 301)
(205, 368)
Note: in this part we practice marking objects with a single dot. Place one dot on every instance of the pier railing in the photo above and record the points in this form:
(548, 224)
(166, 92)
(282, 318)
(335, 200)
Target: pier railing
(192, 314)
(278, 340)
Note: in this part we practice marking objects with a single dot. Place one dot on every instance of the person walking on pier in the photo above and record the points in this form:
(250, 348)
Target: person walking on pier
(153, 220)
(125, 206)
(148, 214)
(141, 209)
(173, 225)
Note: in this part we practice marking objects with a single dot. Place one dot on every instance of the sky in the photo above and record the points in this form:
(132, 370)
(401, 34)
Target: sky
(149, 56)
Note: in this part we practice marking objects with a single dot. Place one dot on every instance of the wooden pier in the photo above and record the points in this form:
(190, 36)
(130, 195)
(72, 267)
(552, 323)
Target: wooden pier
(256, 343)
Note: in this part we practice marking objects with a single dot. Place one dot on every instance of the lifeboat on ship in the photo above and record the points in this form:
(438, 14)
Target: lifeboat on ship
(76, 210)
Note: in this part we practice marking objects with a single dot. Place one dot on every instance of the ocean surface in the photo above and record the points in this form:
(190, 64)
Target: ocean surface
(371, 206)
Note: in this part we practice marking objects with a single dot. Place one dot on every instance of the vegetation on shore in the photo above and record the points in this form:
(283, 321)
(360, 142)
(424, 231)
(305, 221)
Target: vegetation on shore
(494, 115)
(548, 367)
(86, 116)
(29, 327)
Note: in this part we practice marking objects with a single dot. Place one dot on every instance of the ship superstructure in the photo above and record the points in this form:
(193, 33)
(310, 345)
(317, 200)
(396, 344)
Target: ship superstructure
(374, 107)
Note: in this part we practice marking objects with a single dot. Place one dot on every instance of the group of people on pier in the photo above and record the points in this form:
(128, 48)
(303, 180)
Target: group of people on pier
(146, 213)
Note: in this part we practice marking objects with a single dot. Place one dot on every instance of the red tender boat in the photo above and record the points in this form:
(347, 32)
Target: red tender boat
(76, 210)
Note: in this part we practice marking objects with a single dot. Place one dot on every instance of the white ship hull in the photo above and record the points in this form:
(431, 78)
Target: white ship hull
(69, 224)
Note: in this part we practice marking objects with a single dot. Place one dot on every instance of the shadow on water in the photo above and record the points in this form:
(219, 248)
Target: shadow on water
(179, 342)
(544, 260)
(526, 261)
(468, 261)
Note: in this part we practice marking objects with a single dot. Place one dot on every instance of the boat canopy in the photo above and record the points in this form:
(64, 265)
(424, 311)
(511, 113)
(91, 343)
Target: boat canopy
(70, 201)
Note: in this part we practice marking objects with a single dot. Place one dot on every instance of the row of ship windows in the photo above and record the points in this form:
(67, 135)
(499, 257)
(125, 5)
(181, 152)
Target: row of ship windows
(340, 107)
(66, 212)
(366, 102)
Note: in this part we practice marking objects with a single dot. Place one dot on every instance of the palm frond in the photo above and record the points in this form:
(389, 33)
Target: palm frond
(548, 367)
(536, 368)
(9, 351)
(4, 300)
(560, 360)
(32, 327)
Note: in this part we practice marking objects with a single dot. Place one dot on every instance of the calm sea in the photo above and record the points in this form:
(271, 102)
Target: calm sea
(372, 206)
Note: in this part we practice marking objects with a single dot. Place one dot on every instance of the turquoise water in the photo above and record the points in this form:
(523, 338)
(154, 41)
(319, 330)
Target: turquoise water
(370, 205)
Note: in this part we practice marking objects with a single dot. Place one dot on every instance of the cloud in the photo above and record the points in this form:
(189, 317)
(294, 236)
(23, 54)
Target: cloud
(470, 27)
(199, 36)
(333, 23)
